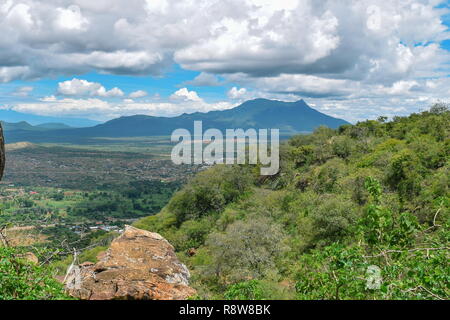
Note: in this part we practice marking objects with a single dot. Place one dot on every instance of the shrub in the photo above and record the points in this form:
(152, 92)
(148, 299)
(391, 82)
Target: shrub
(22, 280)
(247, 250)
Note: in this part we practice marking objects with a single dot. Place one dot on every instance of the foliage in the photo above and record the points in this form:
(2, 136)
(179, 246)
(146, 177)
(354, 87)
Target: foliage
(250, 290)
(247, 250)
(23, 280)
(364, 197)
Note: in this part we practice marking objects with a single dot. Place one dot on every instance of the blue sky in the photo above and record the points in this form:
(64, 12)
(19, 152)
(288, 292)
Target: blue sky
(104, 59)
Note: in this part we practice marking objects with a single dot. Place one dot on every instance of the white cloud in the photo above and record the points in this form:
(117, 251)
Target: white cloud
(23, 91)
(71, 18)
(236, 93)
(328, 51)
(156, 6)
(6, 5)
(400, 88)
(101, 110)
(8, 74)
(301, 85)
(138, 94)
(77, 87)
(114, 92)
(119, 62)
(204, 80)
(185, 95)
(65, 107)
(20, 16)
(366, 39)
(48, 99)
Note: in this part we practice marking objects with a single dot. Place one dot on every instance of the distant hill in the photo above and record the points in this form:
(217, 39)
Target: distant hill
(289, 117)
(14, 117)
(25, 126)
(54, 126)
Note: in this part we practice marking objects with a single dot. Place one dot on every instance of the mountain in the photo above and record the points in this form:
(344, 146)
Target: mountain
(53, 126)
(25, 126)
(14, 116)
(289, 117)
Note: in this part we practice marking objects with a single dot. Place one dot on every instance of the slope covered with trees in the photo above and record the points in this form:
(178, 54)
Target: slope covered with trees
(360, 212)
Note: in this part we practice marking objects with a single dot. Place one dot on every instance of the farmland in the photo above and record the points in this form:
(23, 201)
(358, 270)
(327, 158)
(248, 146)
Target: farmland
(54, 192)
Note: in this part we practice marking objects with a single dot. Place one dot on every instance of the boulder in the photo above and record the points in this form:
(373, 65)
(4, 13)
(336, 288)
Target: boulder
(139, 265)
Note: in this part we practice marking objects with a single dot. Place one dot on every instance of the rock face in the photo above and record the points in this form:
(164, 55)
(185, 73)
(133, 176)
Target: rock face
(139, 265)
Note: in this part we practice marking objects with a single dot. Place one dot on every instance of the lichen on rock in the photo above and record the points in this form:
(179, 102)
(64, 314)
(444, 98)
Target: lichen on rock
(139, 265)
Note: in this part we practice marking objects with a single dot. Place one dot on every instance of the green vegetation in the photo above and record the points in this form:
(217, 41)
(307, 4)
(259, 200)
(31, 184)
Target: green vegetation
(28, 205)
(360, 212)
(347, 205)
(23, 280)
(76, 217)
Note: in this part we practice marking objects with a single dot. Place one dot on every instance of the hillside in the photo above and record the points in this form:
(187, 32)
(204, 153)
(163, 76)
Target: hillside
(360, 212)
(53, 125)
(289, 117)
(25, 126)
(14, 117)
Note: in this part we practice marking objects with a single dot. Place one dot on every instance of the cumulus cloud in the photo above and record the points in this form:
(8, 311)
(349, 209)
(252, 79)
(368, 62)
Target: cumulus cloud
(302, 85)
(346, 39)
(235, 93)
(77, 87)
(185, 95)
(101, 110)
(71, 19)
(328, 51)
(138, 94)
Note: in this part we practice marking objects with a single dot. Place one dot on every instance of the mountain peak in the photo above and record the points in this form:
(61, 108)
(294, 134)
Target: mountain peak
(302, 103)
(289, 117)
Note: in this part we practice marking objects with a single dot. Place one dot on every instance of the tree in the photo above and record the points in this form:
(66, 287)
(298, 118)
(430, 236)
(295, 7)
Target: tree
(247, 250)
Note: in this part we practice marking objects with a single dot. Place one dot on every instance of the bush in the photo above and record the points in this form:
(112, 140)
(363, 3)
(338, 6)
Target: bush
(247, 250)
(22, 280)
(249, 290)
(332, 220)
(210, 191)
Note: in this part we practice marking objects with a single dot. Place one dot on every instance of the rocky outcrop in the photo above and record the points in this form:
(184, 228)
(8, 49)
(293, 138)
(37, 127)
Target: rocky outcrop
(139, 265)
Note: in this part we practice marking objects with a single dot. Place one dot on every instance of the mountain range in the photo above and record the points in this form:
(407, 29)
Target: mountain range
(289, 117)
(23, 125)
(12, 116)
